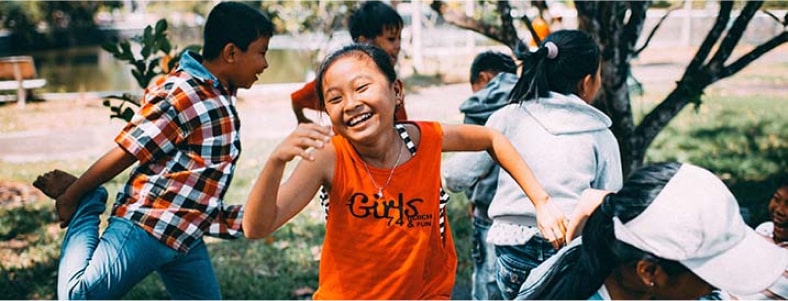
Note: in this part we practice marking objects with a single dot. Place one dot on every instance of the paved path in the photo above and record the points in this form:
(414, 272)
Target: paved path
(265, 114)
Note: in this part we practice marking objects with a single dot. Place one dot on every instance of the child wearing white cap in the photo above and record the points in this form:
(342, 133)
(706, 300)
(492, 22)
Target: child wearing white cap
(673, 231)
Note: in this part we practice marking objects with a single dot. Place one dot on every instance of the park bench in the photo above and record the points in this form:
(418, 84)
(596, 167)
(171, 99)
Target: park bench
(18, 73)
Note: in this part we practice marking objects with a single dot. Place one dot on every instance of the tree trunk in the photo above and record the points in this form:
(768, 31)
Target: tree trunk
(616, 35)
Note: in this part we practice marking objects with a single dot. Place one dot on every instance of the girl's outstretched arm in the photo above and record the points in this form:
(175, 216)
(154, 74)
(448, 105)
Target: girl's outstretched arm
(272, 203)
(550, 219)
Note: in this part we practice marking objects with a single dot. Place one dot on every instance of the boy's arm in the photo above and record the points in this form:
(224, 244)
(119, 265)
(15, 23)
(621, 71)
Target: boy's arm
(551, 221)
(306, 97)
(104, 169)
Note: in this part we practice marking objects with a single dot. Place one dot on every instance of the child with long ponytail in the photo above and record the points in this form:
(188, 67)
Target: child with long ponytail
(566, 142)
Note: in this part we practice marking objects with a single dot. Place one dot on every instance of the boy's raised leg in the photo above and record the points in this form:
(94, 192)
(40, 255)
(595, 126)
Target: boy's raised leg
(106, 266)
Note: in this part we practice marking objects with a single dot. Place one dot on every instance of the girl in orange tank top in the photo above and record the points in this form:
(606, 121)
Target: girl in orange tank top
(387, 236)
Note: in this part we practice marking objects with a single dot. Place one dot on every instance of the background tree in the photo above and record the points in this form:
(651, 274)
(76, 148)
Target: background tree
(46, 24)
(617, 27)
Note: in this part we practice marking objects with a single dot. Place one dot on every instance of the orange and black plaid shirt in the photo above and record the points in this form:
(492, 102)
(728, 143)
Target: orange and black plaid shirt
(185, 137)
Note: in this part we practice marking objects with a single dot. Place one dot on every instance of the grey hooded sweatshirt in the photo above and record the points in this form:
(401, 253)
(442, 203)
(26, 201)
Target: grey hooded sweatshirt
(568, 146)
(477, 110)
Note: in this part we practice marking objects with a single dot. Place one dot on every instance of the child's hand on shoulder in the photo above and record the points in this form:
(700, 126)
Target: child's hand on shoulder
(589, 200)
(302, 141)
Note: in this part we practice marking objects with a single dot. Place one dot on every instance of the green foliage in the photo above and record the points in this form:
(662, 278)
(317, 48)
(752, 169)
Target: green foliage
(156, 57)
(299, 17)
(744, 140)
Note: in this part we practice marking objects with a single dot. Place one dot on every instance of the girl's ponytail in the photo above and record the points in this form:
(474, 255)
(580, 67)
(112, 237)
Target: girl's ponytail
(533, 82)
(558, 65)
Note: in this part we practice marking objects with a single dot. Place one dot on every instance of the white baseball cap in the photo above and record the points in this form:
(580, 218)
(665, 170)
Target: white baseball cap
(695, 220)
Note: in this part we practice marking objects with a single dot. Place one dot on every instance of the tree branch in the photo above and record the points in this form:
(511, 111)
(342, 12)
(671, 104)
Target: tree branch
(531, 29)
(634, 27)
(654, 30)
(460, 20)
(776, 18)
(711, 38)
(734, 35)
(754, 54)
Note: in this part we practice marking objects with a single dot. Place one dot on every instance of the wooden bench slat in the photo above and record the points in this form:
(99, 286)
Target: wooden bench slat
(26, 84)
(19, 73)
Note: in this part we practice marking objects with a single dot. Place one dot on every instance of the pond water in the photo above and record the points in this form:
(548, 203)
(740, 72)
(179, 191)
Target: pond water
(84, 69)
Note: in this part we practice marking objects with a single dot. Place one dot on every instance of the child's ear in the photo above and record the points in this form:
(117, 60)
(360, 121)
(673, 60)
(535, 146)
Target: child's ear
(229, 52)
(648, 272)
(363, 40)
(399, 90)
(485, 77)
(584, 85)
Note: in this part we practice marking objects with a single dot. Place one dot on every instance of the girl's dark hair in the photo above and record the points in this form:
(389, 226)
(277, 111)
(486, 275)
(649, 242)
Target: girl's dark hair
(578, 56)
(379, 56)
(491, 61)
(233, 22)
(580, 271)
(371, 18)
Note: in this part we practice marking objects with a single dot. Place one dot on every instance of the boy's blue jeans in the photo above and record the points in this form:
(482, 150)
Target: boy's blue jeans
(516, 262)
(485, 265)
(108, 266)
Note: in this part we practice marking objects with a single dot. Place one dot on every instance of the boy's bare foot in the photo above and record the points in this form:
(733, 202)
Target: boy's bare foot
(54, 184)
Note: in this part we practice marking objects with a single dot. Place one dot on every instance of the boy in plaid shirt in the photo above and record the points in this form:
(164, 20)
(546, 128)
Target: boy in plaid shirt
(185, 137)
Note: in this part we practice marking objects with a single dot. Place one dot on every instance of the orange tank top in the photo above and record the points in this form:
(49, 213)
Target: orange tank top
(393, 247)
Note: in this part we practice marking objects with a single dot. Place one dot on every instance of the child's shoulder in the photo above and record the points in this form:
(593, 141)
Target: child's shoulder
(168, 82)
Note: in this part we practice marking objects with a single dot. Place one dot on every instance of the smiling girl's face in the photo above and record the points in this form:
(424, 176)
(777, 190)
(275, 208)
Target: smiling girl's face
(778, 211)
(358, 97)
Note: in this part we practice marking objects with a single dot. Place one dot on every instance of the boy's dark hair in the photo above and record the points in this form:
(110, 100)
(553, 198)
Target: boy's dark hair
(233, 22)
(577, 56)
(492, 61)
(379, 56)
(371, 18)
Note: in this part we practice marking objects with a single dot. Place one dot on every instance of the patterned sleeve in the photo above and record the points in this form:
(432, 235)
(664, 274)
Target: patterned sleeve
(228, 224)
(153, 131)
(306, 97)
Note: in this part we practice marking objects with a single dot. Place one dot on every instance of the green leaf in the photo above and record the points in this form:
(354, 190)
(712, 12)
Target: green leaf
(165, 45)
(128, 113)
(147, 35)
(110, 47)
(139, 77)
(145, 52)
(153, 64)
(161, 26)
(126, 53)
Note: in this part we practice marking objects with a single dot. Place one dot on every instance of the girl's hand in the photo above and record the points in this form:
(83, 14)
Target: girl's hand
(302, 141)
(589, 200)
(552, 223)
